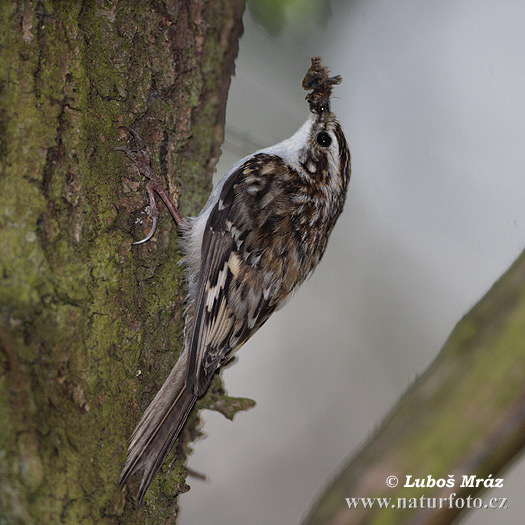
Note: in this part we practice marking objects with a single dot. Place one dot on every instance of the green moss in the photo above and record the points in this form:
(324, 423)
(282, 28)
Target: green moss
(90, 325)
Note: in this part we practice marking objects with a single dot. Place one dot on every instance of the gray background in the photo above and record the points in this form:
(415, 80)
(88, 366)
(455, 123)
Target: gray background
(432, 106)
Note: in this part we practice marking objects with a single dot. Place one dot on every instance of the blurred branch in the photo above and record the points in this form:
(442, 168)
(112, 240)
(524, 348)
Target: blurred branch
(297, 16)
(465, 416)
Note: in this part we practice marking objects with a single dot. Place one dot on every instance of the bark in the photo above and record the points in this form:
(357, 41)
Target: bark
(465, 416)
(91, 325)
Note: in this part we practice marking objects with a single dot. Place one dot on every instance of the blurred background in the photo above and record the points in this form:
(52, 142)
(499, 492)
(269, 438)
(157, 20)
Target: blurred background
(432, 104)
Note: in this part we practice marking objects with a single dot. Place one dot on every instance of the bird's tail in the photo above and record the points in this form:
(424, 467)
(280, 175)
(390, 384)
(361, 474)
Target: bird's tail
(158, 428)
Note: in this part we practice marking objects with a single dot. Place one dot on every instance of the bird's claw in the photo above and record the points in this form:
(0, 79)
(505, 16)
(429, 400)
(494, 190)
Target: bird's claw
(151, 232)
(142, 161)
(137, 155)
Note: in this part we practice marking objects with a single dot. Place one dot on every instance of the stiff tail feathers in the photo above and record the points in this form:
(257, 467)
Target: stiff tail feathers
(158, 428)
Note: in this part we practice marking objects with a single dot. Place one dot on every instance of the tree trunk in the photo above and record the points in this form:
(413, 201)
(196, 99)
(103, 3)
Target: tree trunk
(462, 421)
(91, 325)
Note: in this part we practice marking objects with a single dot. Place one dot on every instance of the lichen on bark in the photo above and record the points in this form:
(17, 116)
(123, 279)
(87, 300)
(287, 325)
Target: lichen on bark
(90, 325)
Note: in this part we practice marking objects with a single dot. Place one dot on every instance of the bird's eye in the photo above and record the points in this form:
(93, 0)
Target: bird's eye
(323, 139)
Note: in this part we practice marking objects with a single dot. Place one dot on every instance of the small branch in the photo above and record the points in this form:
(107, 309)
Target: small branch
(465, 416)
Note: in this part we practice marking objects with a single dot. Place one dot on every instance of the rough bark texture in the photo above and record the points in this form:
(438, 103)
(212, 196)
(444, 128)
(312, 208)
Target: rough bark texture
(465, 416)
(90, 325)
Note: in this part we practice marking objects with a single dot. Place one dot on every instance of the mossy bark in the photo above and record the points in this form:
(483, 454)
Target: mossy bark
(465, 416)
(91, 325)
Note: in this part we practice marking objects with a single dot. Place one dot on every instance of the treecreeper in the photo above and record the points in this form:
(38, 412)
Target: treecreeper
(262, 232)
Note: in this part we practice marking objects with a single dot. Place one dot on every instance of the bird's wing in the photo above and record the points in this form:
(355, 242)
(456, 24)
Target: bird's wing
(242, 265)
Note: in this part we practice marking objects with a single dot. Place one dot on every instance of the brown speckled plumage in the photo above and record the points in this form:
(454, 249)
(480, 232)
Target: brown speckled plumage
(261, 234)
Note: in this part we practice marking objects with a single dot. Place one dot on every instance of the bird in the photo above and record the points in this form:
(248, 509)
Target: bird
(262, 232)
